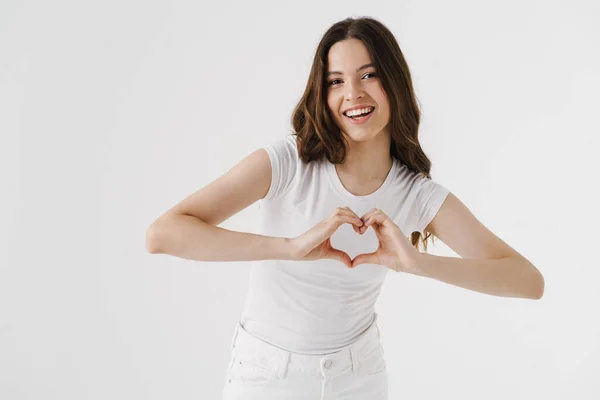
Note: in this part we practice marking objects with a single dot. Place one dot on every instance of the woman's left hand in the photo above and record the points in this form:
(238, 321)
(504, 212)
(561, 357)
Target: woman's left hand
(394, 251)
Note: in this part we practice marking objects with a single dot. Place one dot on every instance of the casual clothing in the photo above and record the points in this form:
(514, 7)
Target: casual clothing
(320, 308)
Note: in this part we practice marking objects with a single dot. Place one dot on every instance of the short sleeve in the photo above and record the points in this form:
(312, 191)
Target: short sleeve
(283, 153)
(430, 196)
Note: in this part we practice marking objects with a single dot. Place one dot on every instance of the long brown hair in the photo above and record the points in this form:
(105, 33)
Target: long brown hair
(318, 135)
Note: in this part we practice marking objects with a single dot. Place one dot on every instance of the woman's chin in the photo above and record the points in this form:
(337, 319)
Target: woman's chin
(359, 135)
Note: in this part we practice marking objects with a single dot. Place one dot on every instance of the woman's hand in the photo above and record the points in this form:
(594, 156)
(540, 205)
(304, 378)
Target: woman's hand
(394, 251)
(315, 243)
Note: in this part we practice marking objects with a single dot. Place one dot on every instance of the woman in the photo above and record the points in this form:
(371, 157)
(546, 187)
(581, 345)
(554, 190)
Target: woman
(309, 330)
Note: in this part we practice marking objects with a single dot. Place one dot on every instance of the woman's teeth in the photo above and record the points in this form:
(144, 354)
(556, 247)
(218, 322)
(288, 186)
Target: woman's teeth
(358, 114)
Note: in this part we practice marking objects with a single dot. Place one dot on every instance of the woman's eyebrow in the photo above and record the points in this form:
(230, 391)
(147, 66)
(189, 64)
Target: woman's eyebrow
(357, 69)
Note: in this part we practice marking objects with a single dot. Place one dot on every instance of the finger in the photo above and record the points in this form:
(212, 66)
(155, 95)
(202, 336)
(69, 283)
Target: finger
(339, 255)
(347, 211)
(375, 218)
(369, 213)
(369, 221)
(367, 258)
(342, 218)
(344, 210)
(366, 216)
(355, 227)
(351, 211)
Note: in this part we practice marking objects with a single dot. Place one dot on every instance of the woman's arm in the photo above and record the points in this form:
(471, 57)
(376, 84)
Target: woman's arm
(511, 276)
(487, 264)
(188, 237)
(190, 229)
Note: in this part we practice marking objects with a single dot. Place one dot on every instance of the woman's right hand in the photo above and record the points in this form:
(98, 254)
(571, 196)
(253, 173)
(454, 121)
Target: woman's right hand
(315, 243)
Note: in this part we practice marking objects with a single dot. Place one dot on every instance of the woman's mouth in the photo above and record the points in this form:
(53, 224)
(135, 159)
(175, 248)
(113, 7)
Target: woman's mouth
(359, 119)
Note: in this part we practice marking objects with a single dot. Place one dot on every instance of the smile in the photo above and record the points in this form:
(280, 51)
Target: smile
(358, 120)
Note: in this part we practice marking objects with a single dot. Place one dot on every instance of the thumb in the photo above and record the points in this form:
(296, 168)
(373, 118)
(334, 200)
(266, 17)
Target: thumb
(339, 255)
(365, 258)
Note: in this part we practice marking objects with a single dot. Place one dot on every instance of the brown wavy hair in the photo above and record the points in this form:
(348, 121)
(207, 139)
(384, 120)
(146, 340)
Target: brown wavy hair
(316, 132)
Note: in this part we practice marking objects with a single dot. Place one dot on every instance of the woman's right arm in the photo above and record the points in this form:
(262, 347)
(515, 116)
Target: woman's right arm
(189, 230)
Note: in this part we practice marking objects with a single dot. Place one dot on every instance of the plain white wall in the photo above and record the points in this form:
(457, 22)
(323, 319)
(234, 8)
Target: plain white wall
(112, 112)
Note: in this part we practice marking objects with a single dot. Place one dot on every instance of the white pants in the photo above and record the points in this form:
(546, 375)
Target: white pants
(259, 370)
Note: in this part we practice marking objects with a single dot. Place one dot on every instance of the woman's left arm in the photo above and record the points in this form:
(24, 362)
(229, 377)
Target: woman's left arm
(488, 264)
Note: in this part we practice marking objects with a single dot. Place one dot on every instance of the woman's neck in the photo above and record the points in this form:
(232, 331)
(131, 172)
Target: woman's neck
(366, 166)
(367, 161)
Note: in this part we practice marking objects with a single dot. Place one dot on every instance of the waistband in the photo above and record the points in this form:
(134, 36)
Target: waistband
(326, 364)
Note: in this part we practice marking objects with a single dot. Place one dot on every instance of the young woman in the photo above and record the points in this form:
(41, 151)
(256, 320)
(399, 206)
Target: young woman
(309, 327)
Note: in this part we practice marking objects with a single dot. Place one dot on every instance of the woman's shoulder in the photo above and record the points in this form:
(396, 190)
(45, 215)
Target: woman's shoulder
(284, 146)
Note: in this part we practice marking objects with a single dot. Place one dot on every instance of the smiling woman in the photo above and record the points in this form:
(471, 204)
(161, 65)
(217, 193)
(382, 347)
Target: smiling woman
(359, 65)
(351, 178)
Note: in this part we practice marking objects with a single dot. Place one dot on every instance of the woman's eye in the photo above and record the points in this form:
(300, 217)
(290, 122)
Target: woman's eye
(335, 80)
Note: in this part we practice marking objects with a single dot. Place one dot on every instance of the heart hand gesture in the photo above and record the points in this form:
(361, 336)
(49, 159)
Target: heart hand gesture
(394, 250)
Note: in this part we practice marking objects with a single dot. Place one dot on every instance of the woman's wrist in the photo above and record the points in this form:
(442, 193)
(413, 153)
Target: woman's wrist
(281, 248)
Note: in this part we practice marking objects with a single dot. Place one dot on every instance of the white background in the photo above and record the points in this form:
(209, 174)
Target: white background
(111, 112)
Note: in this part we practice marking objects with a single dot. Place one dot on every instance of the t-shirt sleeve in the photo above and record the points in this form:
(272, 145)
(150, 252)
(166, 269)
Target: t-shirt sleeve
(430, 196)
(283, 153)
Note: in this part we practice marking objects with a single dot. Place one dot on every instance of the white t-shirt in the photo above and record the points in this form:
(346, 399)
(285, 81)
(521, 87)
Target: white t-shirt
(319, 307)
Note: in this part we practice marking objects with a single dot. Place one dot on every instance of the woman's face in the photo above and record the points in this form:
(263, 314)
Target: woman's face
(350, 86)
